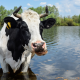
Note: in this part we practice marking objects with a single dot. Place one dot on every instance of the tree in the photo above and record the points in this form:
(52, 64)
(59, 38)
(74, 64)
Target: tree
(75, 18)
(79, 19)
(3, 13)
(53, 11)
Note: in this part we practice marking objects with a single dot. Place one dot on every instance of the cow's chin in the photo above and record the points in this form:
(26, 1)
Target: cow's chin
(40, 53)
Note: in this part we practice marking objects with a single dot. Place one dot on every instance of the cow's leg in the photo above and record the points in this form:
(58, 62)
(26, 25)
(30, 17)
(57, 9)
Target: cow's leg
(4, 66)
(26, 63)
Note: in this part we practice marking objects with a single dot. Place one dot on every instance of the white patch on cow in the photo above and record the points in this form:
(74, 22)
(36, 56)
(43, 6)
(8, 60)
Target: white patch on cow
(32, 19)
(3, 38)
(14, 17)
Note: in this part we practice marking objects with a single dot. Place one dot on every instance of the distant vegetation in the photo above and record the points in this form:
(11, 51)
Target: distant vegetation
(53, 13)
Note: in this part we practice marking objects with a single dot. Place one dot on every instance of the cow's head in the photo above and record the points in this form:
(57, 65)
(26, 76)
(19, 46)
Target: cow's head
(32, 19)
(35, 26)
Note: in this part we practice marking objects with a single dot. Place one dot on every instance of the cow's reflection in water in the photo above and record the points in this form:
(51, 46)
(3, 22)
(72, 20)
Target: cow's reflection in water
(18, 76)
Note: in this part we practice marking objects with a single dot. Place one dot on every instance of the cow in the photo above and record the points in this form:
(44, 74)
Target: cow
(21, 38)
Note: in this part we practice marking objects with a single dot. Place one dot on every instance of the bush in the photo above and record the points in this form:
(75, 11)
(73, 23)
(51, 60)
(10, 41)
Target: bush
(64, 24)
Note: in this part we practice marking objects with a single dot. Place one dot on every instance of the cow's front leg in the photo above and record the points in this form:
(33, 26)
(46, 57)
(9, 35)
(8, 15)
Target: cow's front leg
(4, 66)
(26, 63)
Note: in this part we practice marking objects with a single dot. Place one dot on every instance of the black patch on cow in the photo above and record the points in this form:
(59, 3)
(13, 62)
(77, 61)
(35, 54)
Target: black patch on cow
(46, 24)
(24, 33)
(19, 35)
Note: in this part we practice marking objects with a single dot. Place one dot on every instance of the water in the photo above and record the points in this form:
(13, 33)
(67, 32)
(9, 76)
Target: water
(62, 62)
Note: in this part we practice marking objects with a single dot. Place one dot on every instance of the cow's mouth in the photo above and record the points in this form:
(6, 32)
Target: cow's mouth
(41, 53)
(39, 48)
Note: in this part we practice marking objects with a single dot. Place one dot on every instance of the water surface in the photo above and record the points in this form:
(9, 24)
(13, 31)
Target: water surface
(63, 58)
(62, 62)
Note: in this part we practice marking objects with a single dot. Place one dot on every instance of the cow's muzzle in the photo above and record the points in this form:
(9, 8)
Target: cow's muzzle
(39, 48)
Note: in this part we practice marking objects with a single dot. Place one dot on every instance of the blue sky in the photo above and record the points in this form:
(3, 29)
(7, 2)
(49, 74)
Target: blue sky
(65, 7)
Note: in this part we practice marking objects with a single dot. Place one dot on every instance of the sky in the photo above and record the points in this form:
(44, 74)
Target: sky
(65, 7)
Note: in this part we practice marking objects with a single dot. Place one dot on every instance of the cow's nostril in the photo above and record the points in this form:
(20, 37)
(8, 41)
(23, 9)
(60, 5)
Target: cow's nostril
(34, 44)
(42, 43)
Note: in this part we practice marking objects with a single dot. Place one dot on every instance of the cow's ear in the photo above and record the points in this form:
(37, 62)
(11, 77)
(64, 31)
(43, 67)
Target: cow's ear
(48, 23)
(11, 22)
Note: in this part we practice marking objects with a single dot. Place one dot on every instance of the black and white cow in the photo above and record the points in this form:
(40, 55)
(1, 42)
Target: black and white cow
(21, 38)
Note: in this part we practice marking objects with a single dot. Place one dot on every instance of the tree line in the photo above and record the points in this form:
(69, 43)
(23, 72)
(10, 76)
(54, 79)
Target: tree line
(53, 13)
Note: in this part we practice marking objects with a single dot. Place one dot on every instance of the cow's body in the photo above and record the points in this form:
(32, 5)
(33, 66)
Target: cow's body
(22, 40)
(6, 55)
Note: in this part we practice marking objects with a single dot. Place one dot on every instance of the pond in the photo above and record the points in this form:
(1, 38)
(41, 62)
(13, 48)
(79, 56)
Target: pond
(62, 62)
